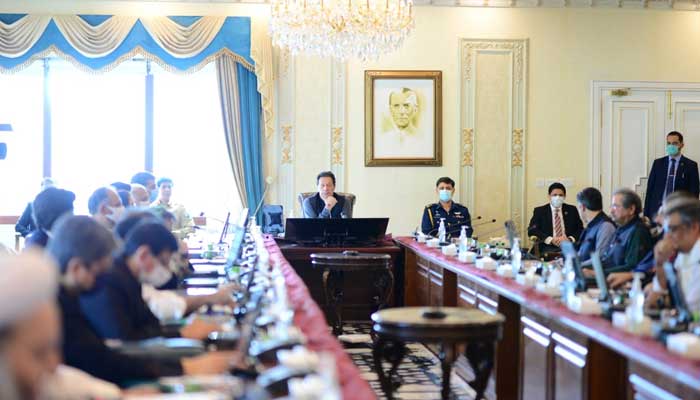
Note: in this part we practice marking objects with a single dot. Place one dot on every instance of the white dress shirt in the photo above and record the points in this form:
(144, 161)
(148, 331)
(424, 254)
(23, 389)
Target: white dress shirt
(554, 226)
(687, 267)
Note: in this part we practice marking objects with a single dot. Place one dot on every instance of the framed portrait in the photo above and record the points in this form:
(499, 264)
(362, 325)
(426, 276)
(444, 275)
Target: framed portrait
(403, 118)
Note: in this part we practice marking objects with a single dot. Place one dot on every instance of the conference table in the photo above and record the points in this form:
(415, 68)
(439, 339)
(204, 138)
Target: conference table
(547, 351)
(309, 318)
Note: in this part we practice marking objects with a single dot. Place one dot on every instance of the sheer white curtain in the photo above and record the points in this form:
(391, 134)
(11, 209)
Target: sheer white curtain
(98, 127)
(21, 105)
(189, 142)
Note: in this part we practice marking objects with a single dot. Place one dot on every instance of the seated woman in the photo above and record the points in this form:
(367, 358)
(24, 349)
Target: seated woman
(183, 225)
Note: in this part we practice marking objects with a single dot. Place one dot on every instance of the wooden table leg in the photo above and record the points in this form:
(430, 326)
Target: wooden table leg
(447, 357)
(384, 283)
(333, 289)
(481, 359)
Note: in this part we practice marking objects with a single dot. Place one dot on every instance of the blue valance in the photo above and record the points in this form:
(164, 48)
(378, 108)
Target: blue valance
(100, 42)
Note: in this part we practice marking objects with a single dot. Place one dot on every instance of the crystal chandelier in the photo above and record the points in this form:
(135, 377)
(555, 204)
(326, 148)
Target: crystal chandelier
(341, 29)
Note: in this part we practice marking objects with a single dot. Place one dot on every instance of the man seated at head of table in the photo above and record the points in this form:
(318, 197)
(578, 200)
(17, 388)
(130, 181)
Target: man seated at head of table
(326, 203)
(83, 250)
(632, 238)
(456, 215)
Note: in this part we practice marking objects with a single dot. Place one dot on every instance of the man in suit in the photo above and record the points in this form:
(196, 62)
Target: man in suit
(555, 222)
(669, 174)
(455, 214)
(326, 203)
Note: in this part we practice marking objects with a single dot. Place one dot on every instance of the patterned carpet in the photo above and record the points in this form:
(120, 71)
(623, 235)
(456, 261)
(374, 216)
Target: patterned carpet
(420, 370)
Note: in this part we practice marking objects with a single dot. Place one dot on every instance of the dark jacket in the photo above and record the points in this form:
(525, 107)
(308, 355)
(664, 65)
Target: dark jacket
(457, 217)
(25, 223)
(541, 224)
(85, 350)
(37, 239)
(315, 207)
(629, 246)
(596, 236)
(116, 309)
(686, 180)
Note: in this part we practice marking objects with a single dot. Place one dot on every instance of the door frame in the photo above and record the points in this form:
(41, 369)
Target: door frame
(596, 114)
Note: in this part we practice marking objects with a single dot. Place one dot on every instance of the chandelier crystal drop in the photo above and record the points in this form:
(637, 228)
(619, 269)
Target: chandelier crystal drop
(342, 29)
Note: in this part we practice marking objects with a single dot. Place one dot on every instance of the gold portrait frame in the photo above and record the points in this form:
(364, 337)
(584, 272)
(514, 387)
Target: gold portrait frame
(373, 75)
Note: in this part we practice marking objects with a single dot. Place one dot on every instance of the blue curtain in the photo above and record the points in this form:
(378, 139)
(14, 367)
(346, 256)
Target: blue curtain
(250, 108)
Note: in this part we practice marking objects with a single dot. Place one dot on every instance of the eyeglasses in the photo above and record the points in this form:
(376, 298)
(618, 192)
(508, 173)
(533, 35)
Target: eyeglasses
(674, 228)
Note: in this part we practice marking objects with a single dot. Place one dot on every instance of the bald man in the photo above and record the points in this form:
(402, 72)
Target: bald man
(106, 206)
(140, 195)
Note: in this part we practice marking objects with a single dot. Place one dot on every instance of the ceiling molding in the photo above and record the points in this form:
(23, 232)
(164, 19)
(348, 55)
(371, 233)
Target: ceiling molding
(680, 5)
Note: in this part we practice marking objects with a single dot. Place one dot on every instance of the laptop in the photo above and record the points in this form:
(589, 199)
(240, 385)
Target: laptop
(604, 295)
(676, 292)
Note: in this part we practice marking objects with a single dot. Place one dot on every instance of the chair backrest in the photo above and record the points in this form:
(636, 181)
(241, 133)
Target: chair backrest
(272, 218)
(347, 209)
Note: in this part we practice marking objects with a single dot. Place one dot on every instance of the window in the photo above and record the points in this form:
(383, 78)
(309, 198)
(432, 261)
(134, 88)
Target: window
(97, 127)
(98, 134)
(189, 142)
(21, 105)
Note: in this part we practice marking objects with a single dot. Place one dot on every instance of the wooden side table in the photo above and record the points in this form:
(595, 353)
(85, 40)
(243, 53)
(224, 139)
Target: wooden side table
(334, 266)
(445, 326)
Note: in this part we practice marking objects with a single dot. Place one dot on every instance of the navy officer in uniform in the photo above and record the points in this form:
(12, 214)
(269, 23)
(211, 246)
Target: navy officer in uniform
(455, 214)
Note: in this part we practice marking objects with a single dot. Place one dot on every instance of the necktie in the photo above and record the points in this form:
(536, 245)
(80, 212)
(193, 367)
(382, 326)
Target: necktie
(558, 231)
(670, 180)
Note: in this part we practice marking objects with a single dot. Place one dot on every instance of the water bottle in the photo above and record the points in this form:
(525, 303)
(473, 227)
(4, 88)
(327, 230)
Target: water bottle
(516, 256)
(463, 240)
(569, 280)
(635, 309)
(441, 231)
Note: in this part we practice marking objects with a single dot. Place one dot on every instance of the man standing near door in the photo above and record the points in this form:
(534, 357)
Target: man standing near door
(669, 174)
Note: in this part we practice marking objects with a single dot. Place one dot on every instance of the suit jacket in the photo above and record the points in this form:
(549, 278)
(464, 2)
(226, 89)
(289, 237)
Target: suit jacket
(541, 222)
(116, 309)
(84, 349)
(315, 207)
(686, 179)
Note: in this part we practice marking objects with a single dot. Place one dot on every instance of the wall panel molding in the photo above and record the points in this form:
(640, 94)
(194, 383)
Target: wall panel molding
(493, 111)
(337, 127)
(285, 141)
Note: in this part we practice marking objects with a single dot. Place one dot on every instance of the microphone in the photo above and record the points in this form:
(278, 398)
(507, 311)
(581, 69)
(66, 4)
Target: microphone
(472, 219)
(485, 223)
(268, 182)
(494, 230)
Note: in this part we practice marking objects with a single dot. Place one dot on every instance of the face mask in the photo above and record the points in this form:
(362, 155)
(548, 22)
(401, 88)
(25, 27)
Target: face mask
(672, 150)
(157, 277)
(116, 213)
(445, 195)
(142, 204)
(557, 201)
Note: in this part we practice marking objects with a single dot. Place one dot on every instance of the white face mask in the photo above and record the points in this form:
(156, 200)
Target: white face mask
(157, 277)
(116, 213)
(557, 201)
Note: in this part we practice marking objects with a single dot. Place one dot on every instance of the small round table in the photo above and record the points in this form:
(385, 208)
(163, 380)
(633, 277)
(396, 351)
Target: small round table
(335, 265)
(445, 326)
